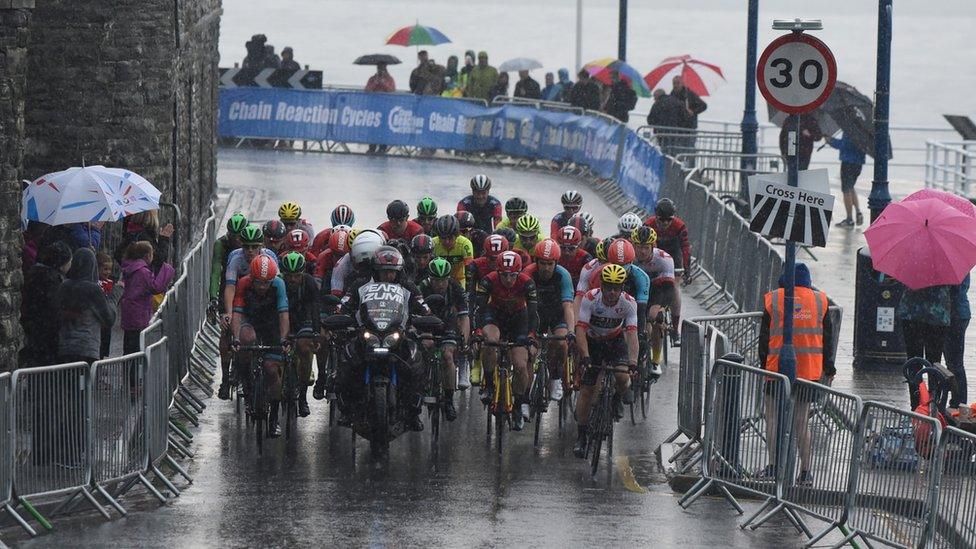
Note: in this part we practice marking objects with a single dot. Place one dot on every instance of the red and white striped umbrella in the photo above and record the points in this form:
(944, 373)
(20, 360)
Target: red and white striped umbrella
(690, 69)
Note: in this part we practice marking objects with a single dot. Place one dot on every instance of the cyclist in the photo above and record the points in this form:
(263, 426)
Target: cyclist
(515, 208)
(297, 241)
(303, 319)
(572, 258)
(221, 254)
(529, 232)
(554, 287)
(399, 224)
(587, 226)
(486, 208)
(261, 318)
(479, 268)
(506, 303)
(659, 266)
(672, 235)
(606, 335)
(453, 310)
(290, 214)
(621, 252)
(356, 264)
(477, 238)
(342, 217)
(572, 202)
(324, 265)
(238, 266)
(421, 252)
(426, 214)
(627, 224)
(274, 235)
(453, 247)
(591, 270)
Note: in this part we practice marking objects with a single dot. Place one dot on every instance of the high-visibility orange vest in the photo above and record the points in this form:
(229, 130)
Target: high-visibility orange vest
(809, 308)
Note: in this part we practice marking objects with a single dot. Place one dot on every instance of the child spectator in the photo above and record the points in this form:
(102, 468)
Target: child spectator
(107, 279)
(140, 286)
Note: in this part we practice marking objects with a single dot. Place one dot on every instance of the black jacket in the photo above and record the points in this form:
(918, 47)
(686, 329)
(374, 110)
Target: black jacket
(691, 100)
(39, 315)
(668, 111)
(585, 95)
(528, 89)
(621, 101)
(84, 308)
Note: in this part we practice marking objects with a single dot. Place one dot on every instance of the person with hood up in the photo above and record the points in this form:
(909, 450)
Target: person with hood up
(83, 310)
(140, 287)
(557, 91)
(464, 75)
(451, 71)
(483, 78)
(526, 87)
(38, 308)
(500, 88)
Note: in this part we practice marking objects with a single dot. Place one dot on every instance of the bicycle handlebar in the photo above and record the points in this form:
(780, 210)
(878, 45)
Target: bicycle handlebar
(269, 348)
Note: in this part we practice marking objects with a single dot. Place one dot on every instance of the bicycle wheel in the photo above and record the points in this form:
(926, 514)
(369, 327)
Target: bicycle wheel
(379, 439)
(502, 416)
(291, 417)
(435, 428)
(259, 409)
(665, 343)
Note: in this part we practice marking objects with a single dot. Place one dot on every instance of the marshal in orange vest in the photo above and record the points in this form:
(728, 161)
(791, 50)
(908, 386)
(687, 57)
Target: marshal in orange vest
(809, 308)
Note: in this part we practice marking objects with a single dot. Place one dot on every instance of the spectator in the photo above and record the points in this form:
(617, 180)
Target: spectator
(622, 98)
(955, 344)
(550, 86)
(107, 280)
(809, 132)
(32, 243)
(255, 52)
(434, 80)
(813, 342)
(145, 226)
(500, 88)
(925, 316)
(288, 62)
(451, 71)
(83, 310)
(668, 112)
(418, 76)
(693, 104)
(271, 59)
(140, 287)
(451, 89)
(851, 162)
(84, 235)
(526, 87)
(39, 308)
(558, 91)
(483, 79)
(585, 94)
(381, 82)
(464, 75)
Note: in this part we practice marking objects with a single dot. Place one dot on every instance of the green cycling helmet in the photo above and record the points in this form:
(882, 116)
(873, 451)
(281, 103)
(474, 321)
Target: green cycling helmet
(293, 262)
(439, 267)
(236, 223)
(527, 224)
(252, 234)
(427, 207)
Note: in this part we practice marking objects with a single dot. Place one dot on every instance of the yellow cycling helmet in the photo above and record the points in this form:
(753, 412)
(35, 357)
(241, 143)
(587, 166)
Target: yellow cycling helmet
(643, 236)
(352, 235)
(527, 224)
(289, 211)
(601, 249)
(613, 274)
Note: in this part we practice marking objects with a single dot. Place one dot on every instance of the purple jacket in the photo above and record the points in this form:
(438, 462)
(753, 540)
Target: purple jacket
(140, 286)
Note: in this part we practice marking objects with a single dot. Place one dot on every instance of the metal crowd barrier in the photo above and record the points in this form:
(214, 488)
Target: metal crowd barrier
(955, 519)
(691, 383)
(676, 141)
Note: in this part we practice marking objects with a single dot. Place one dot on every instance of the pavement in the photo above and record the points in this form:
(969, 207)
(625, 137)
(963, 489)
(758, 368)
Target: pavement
(321, 488)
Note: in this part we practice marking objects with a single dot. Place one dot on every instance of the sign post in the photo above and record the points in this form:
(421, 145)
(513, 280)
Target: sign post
(796, 73)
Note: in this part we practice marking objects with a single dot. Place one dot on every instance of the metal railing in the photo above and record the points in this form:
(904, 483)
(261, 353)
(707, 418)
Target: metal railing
(949, 166)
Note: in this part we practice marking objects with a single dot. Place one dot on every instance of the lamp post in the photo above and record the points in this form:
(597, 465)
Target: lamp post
(750, 124)
(622, 32)
(880, 197)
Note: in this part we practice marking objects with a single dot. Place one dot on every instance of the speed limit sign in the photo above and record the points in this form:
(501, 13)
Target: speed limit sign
(796, 73)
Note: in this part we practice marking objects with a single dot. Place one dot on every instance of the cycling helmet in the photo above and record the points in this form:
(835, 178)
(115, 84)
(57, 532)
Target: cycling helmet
(439, 267)
(298, 240)
(465, 220)
(601, 248)
(665, 208)
(387, 258)
(275, 230)
(572, 198)
(293, 262)
(620, 252)
(447, 226)
(252, 234)
(516, 205)
(397, 210)
(480, 182)
(527, 224)
(264, 268)
(643, 236)
(508, 233)
(495, 244)
(346, 228)
(508, 262)
(342, 215)
(427, 207)
(588, 223)
(352, 235)
(613, 274)
(289, 211)
(628, 223)
(547, 250)
(422, 244)
(339, 242)
(364, 245)
(569, 236)
(236, 223)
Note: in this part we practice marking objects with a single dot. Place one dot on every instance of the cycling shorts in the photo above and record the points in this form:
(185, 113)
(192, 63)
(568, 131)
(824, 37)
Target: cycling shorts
(604, 352)
(549, 321)
(663, 294)
(511, 326)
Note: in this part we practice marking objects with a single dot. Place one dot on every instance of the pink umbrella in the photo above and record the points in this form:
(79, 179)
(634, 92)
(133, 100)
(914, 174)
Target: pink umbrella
(693, 80)
(923, 242)
(953, 200)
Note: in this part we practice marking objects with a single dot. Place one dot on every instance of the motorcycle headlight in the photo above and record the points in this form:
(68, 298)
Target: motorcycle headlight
(391, 340)
(370, 340)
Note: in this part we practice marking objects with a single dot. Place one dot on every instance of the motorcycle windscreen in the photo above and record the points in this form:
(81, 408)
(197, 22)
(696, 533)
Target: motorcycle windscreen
(384, 306)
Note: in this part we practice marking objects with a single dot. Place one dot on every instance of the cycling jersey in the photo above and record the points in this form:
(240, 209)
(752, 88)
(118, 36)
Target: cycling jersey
(344, 273)
(589, 245)
(303, 304)
(238, 266)
(305, 226)
(411, 230)
(498, 304)
(603, 321)
(478, 269)
(324, 264)
(673, 239)
(261, 309)
(554, 291)
(458, 255)
(221, 254)
(586, 276)
(559, 221)
(321, 241)
(454, 298)
(486, 216)
(574, 263)
(660, 267)
(638, 284)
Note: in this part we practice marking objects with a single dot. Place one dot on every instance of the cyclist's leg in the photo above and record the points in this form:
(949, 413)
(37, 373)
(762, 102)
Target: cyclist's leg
(674, 299)
(321, 363)
(591, 383)
(272, 386)
(488, 354)
(449, 380)
(655, 331)
(303, 365)
(223, 391)
(247, 337)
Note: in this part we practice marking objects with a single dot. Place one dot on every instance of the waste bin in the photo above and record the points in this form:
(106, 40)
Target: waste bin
(877, 330)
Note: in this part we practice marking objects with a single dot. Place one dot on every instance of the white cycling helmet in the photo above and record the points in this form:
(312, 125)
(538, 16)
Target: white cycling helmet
(572, 198)
(588, 221)
(628, 223)
(365, 244)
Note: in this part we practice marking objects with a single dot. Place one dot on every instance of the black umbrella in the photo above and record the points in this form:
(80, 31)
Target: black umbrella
(377, 59)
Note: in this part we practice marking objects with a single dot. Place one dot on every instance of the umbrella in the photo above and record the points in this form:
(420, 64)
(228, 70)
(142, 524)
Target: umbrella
(923, 243)
(376, 59)
(91, 193)
(693, 79)
(417, 35)
(601, 69)
(954, 200)
(519, 64)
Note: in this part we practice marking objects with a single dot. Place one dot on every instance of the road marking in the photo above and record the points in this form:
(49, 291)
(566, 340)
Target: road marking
(627, 475)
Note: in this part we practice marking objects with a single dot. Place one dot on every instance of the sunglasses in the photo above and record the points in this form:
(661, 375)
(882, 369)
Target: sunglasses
(508, 275)
(665, 219)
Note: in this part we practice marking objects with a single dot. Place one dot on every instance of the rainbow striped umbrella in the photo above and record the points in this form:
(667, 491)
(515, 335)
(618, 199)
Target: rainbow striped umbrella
(601, 69)
(417, 35)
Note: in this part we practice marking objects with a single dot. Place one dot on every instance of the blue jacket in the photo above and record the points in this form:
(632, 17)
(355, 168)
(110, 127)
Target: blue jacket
(849, 153)
(960, 301)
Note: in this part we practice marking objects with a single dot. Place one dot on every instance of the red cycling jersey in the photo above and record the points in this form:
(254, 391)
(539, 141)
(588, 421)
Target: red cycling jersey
(672, 239)
(324, 264)
(411, 230)
(507, 299)
(574, 263)
(321, 241)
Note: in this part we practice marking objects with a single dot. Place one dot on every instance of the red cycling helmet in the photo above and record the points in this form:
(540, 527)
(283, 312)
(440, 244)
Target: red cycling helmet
(298, 240)
(264, 268)
(508, 262)
(339, 242)
(495, 244)
(547, 250)
(620, 252)
(569, 236)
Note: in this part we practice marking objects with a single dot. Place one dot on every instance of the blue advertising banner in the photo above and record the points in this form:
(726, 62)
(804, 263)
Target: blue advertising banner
(443, 123)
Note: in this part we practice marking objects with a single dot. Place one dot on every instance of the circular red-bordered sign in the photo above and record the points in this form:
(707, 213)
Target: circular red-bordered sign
(796, 73)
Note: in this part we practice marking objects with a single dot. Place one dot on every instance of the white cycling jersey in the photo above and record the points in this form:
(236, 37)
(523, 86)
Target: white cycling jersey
(604, 321)
(660, 267)
(339, 274)
(586, 273)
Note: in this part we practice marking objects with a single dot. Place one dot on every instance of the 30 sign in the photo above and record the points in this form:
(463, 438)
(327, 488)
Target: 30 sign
(796, 73)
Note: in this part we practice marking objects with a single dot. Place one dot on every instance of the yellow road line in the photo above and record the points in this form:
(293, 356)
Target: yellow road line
(627, 475)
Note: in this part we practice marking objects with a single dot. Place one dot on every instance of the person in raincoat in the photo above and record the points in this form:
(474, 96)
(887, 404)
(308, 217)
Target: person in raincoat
(500, 88)
(451, 88)
(526, 87)
(585, 94)
(464, 75)
(557, 91)
(483, 78)
(141, 284)
(451, 70)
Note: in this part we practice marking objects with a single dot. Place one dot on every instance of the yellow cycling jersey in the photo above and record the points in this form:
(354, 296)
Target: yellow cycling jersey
(458, 255)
